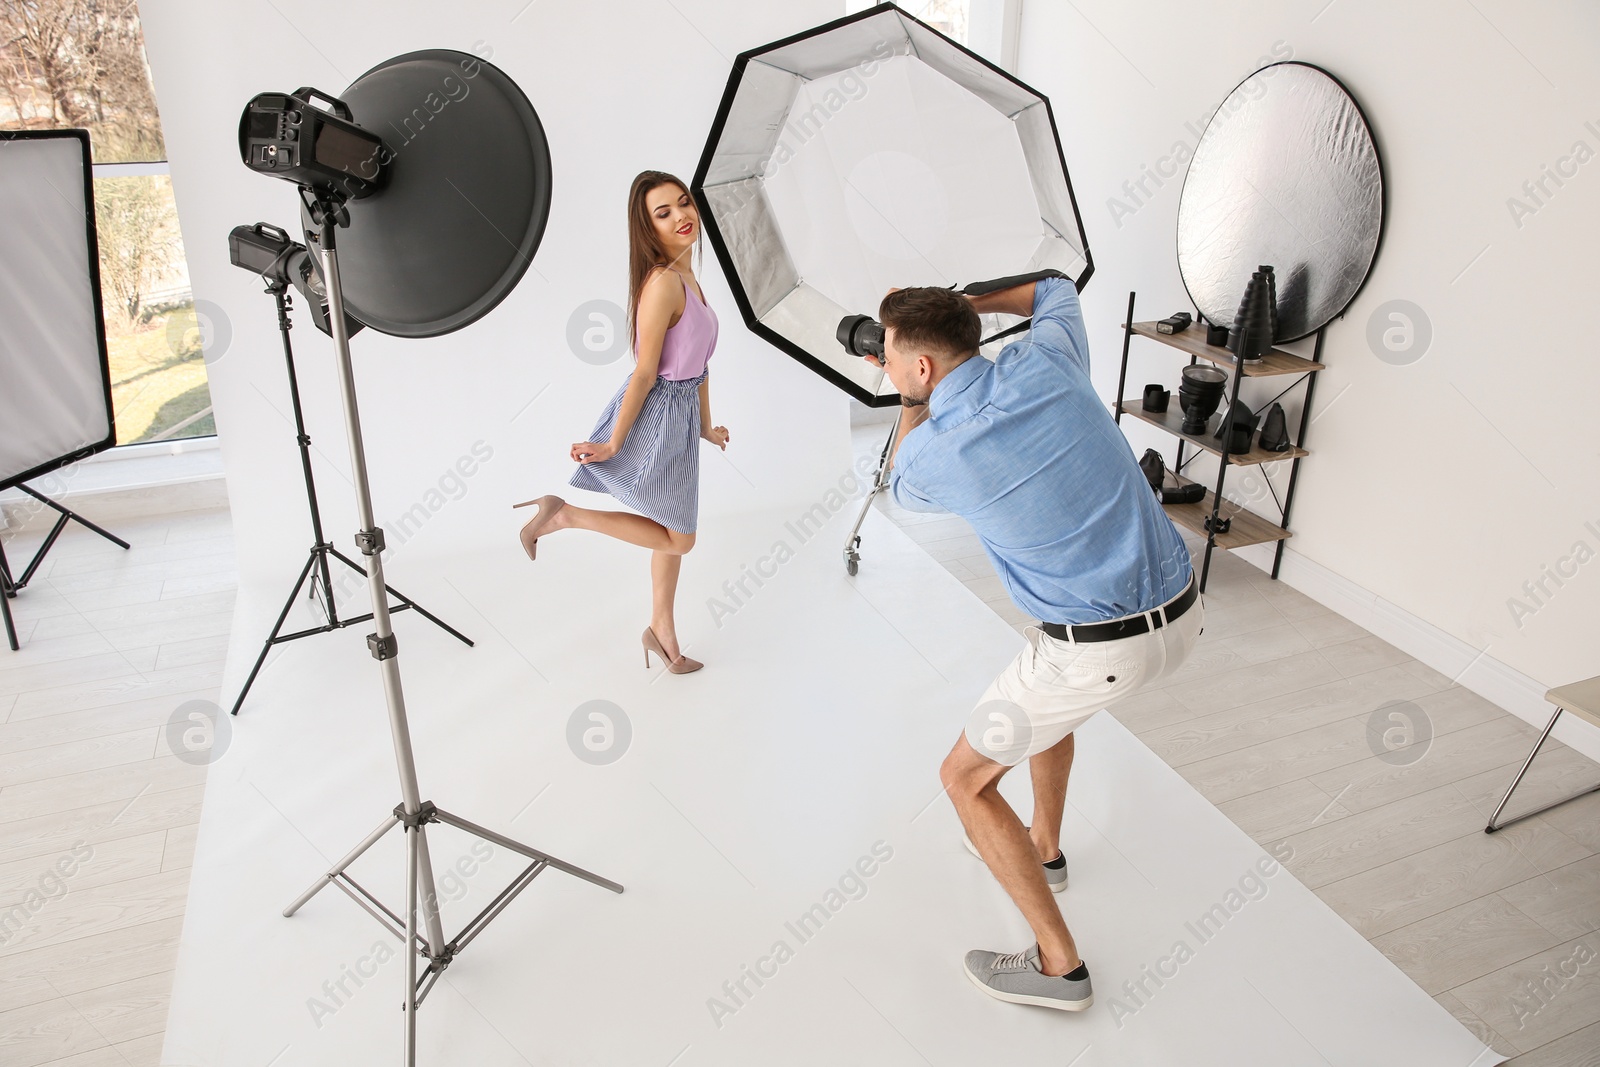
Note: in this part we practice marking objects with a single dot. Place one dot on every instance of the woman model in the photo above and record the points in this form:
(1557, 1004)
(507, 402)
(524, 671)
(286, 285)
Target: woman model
(644, 450)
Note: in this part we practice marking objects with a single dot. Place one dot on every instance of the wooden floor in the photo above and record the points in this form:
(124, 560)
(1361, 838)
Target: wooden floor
(1270, 721)
(97, 817)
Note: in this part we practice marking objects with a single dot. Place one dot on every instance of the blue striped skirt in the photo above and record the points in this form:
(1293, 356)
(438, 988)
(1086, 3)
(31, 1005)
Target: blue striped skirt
(657, 472)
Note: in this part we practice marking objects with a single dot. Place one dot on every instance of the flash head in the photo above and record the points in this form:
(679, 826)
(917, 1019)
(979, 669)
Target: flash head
(266, 250)
(288, 136)
(263, 249)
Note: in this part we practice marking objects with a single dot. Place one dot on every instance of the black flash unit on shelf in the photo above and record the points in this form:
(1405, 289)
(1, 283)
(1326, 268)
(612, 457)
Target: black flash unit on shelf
(1223, 523)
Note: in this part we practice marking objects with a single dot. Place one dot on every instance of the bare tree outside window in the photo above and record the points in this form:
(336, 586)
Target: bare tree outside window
(137, 226)
(80, 63)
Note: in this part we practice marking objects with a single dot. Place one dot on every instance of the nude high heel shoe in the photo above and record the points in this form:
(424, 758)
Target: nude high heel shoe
(682, 665)
(549, 504)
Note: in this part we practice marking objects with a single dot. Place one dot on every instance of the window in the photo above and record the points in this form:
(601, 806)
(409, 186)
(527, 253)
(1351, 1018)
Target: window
(81, 63)
(988, 27)
(949, 17)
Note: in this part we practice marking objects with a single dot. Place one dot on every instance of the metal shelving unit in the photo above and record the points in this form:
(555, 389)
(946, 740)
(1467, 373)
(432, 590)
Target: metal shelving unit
(1245, 527)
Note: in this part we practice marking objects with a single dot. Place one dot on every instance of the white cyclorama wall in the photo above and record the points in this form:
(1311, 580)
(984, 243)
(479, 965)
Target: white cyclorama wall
(1459, 490)
(459, 427)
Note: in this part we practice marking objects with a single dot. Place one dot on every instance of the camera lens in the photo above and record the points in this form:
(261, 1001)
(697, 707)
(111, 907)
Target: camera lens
(1199, 396)
(861, 335)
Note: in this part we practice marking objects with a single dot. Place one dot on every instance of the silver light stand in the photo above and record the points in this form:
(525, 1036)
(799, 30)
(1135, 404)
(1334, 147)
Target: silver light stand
(880, 481)
(413, 813)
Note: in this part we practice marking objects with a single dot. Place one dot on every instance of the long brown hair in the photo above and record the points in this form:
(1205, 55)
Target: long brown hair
(644, 244)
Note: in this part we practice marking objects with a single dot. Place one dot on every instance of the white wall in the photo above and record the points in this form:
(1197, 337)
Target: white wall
(1438, 487)
(620, 87)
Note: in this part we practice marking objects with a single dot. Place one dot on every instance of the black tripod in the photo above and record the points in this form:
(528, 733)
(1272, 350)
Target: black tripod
(9, 585)
(316, 569)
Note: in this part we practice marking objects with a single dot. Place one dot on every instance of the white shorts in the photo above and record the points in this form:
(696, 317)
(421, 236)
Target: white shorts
(1053, 686)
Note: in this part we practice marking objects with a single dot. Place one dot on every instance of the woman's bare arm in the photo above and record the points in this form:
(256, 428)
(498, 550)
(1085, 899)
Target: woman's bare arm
(717, 435)
(661, 299)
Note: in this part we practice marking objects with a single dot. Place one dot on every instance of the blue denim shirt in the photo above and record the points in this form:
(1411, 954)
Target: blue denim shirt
(1024, 450)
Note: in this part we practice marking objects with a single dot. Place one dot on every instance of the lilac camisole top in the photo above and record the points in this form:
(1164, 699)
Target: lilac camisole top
(689, 342)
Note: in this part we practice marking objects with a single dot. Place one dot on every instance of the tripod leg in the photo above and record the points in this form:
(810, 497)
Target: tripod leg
(38, 557)
(68, 513)
(337, 869)
(11, 627)
(324, 575)
(523, 850)
(272, 638)
(410, 604)
(6, 594)
(429, 902)
(431, 617)
(413, 861)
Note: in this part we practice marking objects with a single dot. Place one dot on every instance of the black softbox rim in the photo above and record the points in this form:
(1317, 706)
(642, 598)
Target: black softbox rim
(725, 258)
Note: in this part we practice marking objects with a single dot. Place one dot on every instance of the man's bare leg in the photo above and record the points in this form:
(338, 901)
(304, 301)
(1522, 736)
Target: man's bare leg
(972, 781)
(1049, 770)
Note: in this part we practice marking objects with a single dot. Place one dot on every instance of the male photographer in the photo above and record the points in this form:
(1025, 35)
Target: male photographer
(1025, 451)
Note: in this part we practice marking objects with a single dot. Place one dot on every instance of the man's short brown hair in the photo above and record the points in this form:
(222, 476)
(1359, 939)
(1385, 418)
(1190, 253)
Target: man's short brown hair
(932, 319)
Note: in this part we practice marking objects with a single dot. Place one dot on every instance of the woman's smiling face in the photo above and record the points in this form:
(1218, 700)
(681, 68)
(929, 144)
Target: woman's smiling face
(674, 216)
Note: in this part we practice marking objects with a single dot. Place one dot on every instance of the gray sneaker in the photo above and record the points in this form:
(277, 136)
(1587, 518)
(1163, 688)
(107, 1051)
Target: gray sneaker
(1016, 978)
(1055, 872)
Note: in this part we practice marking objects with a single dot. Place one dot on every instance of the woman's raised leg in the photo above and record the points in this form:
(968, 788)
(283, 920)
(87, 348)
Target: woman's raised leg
(624, 526)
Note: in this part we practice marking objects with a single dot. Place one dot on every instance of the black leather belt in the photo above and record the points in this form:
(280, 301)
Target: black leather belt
(1128, 627)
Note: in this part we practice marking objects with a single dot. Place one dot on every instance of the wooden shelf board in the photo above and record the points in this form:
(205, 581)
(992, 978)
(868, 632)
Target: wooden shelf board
(1193, 341)
(1171, 421)
(1247, 528)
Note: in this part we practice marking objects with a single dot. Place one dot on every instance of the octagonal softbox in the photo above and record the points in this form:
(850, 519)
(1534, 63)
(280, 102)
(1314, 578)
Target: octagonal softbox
(872, 153)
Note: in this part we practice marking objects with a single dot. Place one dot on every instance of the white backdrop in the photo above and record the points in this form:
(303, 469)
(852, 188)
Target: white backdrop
(459, 427)
(1459, 487)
